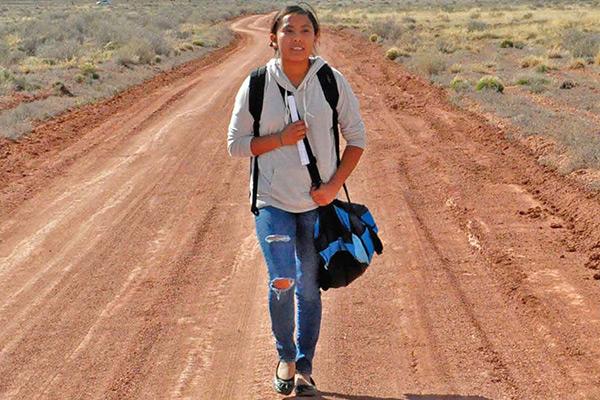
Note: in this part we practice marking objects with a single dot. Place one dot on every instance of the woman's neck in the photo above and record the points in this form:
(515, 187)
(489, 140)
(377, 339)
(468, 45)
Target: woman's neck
(295, 71)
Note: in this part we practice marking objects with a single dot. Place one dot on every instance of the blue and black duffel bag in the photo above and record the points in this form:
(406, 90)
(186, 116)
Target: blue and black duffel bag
(346, 239)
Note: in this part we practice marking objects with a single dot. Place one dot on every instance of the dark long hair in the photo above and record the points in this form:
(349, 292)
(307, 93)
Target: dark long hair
(299, 9)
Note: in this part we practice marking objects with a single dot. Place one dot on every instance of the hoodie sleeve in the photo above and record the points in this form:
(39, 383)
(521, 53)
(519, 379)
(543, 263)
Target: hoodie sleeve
(240, 134)
(351, 123)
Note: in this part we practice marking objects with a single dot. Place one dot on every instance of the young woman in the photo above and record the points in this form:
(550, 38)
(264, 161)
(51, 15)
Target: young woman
(286, 201)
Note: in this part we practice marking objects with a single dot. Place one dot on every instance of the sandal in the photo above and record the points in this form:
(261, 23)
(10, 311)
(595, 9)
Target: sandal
(282, 386)
(306, 389)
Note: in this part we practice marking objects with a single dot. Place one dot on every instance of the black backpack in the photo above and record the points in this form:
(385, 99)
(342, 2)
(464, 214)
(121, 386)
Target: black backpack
(257, 93)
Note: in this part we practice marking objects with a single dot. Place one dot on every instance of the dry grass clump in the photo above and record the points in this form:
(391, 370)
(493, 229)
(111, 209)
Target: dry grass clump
(456, 68)
(477, 26)
(430, 63)
(577, 63)
(531, 61)
(555, 53)
(446, 45)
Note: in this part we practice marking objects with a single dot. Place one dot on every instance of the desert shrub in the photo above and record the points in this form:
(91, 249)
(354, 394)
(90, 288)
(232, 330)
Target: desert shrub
(542, 68)
(476, 26)
(446, 45)
(87, 68)
(393, 53)
(475, 14)
(407, 19)
(374, 37)
(459, 84)
(59, 50)
(135, 52)
(519, 45)
(387, 28)
(490, 83)
(507, 43)
(183, 34)
(430, 63)
(528, 15)
(581, 44)
(577, 63)
(531, 61)
(536, 84)
(18, 120)
(198, 42)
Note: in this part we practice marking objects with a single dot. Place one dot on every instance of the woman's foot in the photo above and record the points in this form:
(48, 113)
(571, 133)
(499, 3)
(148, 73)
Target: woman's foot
(305, 385)
(283, 381)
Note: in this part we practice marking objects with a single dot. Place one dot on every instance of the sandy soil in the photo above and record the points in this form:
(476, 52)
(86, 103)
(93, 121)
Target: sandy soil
(129, 267)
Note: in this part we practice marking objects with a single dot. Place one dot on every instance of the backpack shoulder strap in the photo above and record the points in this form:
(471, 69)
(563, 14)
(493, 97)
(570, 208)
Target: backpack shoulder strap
(257, 94)
(332, 95)
(329, 85)
(330, 90)
(255, 105)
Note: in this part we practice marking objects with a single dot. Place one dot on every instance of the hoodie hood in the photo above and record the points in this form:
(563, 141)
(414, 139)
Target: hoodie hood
(275, 69)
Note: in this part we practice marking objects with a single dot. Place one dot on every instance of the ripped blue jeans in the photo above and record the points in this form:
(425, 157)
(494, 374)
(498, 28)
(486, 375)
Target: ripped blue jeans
(287, 243)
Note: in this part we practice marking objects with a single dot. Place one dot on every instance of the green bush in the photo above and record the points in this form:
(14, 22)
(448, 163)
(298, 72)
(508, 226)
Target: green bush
(392, 53)
(542, 68)
(374, 37)
(507, 43)
(459, 84)
(198, 42)
(490, 83)
(87, 69)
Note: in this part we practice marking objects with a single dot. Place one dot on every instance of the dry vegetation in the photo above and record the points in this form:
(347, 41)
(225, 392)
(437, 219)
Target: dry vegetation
(535, 66)
(56, 55)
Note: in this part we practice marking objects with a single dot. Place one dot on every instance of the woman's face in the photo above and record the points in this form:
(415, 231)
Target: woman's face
(295, 38)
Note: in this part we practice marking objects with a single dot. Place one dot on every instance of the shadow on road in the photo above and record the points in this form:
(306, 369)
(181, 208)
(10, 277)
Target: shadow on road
(341, 396)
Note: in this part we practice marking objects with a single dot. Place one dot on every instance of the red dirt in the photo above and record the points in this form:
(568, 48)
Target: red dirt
(129, 267)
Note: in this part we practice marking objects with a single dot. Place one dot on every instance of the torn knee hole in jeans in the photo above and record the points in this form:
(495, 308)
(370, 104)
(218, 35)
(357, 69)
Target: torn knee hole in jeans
(277, 238)
(281, 285)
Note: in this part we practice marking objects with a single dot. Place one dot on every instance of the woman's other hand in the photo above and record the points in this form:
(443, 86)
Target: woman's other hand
(325, 193)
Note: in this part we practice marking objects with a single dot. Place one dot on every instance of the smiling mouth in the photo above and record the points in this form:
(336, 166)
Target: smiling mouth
(297, 48)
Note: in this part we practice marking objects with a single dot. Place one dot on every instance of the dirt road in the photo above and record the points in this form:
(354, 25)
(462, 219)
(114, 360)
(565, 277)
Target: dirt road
(129, 267)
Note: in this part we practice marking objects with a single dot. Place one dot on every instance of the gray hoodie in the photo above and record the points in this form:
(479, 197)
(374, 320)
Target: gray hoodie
(283, 182)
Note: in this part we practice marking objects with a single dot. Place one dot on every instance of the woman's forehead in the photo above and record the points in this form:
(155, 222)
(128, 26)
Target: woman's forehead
(296, 20)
